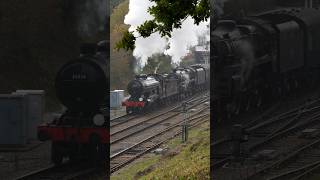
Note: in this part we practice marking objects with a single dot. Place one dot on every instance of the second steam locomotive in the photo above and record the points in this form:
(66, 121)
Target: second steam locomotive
(262, 56)
(146, 91)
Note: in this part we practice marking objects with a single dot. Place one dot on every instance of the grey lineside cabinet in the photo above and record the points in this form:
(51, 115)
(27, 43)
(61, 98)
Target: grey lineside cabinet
(116, 98)
(13, 120)
(20, 114)
(35, 110)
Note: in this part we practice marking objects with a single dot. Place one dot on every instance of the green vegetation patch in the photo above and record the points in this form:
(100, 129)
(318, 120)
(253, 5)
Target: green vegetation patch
(135, 170)
(181, 161)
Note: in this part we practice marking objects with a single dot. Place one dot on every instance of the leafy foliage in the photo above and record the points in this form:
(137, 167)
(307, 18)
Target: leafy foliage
(147, 28)
(127, 42)
(160, 63)
(168, 14)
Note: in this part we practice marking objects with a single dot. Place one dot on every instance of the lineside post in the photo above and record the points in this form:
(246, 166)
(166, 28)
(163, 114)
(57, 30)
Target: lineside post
(185, 123)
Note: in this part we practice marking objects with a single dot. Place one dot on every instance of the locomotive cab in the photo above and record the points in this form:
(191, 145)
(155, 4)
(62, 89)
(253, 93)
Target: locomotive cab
(235, 54)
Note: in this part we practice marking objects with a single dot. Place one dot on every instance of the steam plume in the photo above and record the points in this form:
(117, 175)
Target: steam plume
(176, 46)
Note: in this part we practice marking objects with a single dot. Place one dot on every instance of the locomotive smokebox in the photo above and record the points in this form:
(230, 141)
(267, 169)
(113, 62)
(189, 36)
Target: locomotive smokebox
(142, 83)
(135, 88)
(81, 85)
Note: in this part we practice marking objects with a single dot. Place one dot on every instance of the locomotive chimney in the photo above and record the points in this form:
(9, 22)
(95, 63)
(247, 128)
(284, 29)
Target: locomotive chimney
(88, 49)
(308, 3)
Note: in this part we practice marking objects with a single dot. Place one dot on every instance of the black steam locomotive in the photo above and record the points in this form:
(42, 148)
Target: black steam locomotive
(82, 86)
(262, 56)
(147, 91)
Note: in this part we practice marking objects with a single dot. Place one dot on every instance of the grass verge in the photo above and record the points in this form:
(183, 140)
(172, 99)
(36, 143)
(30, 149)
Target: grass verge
(180, 161)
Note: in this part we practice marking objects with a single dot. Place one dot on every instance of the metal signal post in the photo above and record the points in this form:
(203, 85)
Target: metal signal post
(185, 122)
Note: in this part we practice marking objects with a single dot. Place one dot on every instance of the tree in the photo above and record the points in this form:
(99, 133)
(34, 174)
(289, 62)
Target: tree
(168, 14)
(159, 63)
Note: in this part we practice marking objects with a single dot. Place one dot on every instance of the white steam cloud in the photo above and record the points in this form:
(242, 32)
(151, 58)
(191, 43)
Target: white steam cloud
(185, 37)
(176, 46)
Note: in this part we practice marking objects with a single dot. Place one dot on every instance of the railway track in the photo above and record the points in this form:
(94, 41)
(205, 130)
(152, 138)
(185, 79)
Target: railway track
(132, 131)
(142, 124)
(297, 142)
(128, 118)
(135, 151)
(277, 136)
(122, 119)
(261, 123)
(296, 165)
(157, 131)
(66, 171)
(263, 117)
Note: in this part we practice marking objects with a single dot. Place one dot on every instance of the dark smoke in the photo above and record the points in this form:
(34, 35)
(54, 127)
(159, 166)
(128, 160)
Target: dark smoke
(92, 17)
(218, 6)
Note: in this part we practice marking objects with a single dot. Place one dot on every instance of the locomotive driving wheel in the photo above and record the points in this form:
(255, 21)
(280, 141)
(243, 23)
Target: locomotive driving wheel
(128, 110)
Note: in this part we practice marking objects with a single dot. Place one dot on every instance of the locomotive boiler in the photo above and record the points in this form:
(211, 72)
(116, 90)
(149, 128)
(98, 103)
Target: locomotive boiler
(82, 87)
(262, 57)
(81, 84)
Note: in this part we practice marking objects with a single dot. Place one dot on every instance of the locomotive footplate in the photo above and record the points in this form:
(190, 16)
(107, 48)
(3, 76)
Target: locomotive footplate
(75, 143)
